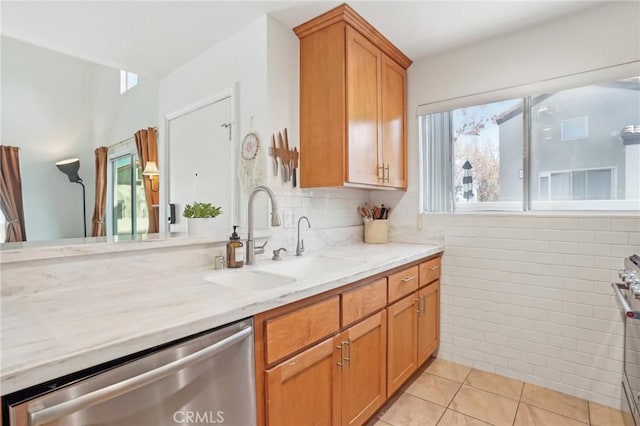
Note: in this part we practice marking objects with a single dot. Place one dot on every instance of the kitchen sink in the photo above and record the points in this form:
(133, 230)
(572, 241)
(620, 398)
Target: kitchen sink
(303, 268)
(250, 280)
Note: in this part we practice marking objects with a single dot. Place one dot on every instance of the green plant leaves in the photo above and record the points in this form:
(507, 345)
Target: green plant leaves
(201, 210)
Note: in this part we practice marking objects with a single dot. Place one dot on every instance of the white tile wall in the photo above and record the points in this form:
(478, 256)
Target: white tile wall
(529, 297)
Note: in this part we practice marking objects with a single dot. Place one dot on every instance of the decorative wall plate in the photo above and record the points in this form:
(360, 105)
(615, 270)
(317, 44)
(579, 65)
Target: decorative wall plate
(250, 147)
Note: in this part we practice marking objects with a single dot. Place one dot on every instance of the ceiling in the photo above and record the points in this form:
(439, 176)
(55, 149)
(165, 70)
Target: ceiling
(154, 38)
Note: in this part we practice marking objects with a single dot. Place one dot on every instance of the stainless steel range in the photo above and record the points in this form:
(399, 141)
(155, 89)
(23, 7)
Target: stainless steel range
(628, 297)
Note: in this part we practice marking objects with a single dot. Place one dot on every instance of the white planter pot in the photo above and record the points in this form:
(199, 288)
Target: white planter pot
(201, 226)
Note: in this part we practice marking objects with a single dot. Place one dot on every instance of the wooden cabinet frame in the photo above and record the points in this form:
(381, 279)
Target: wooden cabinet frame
(353, 97)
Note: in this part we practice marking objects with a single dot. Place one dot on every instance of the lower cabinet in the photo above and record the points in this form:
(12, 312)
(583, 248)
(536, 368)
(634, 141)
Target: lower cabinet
(371, 338)
(414, 332)
(306, 389)
(402, 342)
(428, 321)
(364, 386)
(341, 380)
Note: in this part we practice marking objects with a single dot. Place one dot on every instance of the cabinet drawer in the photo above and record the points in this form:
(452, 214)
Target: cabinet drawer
(403, 283)
(362, 301)
(295, 330)
(429, 271)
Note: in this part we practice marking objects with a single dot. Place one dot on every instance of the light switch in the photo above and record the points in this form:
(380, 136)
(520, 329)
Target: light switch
(289, 219)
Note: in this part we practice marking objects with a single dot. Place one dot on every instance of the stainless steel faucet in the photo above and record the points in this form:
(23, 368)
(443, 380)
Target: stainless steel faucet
(300, 245)
(275, 221)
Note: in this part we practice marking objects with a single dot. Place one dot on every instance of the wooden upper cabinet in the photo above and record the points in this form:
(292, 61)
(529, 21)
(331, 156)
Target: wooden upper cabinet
(363, 109)
(352, 104)
(394, 100)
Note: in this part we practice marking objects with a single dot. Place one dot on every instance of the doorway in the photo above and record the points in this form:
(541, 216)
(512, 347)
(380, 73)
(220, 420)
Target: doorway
(127, 213)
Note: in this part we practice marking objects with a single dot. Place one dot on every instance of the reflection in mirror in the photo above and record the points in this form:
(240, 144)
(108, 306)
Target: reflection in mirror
(201, 167)
(54, 107)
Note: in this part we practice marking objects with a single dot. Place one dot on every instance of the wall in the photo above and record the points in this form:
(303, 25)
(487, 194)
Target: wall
(527, 295)
(241, 60)
(327, 209)
(263, 59)
(54, 107)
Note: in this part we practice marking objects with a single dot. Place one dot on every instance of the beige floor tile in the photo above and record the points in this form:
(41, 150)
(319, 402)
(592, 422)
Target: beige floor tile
(377, 422)
(494, 383)
(434, 388)
(556, 402)
(448, 370)
(601, 415)
(529, 415)
(409, 410)
(453, 418)
(486, 406)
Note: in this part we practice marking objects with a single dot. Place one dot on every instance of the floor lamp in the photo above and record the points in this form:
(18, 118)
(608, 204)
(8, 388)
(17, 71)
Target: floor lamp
(70, 168)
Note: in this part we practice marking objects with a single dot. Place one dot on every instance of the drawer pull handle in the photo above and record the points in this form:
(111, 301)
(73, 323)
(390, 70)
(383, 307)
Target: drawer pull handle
(434, 267)
(407, 279)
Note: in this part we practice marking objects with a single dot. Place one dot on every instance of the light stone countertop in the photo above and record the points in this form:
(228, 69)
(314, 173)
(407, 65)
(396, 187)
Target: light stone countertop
(50, 334)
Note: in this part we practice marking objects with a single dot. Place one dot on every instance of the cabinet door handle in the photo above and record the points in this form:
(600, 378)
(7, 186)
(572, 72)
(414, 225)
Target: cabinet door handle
(407, 279)
(423, 303)
(386, 179)
(340, 363)
(381, 173)
(349, 358)
(417, 300)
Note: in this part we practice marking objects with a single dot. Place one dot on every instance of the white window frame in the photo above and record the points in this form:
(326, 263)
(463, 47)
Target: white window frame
(585, 125)
(586, 78)
(127, 81)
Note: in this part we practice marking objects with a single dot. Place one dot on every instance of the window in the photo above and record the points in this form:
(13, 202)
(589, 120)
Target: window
(575, 154)
(585, 184)
(574, 128)
(128, 81)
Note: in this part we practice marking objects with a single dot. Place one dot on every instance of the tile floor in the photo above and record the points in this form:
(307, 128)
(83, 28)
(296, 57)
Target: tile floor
(450, 394)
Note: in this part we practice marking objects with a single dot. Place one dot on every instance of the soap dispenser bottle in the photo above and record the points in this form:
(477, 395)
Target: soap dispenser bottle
(235, 252)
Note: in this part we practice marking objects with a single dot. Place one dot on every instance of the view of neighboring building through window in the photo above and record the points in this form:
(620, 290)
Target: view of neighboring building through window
(495, 175)
(128, 80)
(578, 153)
(584, 152)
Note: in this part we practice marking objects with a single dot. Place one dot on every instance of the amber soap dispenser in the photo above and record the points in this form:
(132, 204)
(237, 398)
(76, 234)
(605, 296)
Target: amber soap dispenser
(235, 252)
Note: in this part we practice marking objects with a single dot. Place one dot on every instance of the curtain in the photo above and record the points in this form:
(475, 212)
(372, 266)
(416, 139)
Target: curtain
(11, 193)
(438, 174)
(147, 145)
(97, 225)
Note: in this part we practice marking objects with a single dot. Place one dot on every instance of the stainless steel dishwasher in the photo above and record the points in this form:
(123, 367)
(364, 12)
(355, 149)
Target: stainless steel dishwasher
(208, 379)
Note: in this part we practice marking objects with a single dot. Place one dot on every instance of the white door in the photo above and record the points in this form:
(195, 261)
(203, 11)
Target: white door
(201, 156)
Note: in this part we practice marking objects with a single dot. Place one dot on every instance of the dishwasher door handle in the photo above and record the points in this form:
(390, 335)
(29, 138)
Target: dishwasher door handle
(623, 302)
(55, 412)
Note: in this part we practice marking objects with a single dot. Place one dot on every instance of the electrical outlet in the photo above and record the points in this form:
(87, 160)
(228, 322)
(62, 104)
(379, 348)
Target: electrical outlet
(289, 219)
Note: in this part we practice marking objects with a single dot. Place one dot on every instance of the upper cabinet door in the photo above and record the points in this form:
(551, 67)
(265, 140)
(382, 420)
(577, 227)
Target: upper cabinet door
(393, 101)
(363, 109)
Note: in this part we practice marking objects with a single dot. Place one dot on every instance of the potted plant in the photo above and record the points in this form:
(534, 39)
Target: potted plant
(200, 218)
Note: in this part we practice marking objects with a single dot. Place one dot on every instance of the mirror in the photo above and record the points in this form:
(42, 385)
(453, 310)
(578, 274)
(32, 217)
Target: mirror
(56, 107)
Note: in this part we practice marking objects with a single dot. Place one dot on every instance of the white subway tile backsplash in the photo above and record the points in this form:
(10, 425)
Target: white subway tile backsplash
(577, 309)
(611, 237)
(579, 236)
(543, 286)
(630, 224)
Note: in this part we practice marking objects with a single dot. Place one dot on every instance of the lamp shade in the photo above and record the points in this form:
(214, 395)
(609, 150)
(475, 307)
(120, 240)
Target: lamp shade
(151, 169)
(70, 168)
